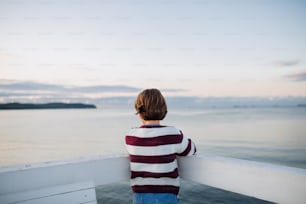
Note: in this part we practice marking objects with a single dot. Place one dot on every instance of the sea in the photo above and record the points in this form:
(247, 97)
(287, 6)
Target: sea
(274, 135)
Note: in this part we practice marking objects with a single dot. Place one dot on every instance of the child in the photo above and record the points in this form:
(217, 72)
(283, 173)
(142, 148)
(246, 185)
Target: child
(153, 149)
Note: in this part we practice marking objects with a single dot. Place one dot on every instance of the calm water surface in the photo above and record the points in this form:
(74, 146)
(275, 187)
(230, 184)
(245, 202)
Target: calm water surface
(276, 135)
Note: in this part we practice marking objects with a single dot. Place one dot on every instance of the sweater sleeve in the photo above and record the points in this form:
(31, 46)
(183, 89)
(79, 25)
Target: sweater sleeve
(187, 147)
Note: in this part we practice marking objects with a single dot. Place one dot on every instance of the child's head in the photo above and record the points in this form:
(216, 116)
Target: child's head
(151, 105)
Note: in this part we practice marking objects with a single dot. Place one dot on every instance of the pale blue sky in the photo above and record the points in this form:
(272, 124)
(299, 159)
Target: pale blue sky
(206, 48)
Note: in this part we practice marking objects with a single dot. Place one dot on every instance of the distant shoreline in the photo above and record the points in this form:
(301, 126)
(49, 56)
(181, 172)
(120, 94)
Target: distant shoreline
(23, 106)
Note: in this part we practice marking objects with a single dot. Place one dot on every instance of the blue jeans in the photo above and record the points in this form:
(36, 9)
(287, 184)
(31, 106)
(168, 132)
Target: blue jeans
(155, 198)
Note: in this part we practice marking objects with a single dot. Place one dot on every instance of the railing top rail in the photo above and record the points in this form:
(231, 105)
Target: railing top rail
(270, 182)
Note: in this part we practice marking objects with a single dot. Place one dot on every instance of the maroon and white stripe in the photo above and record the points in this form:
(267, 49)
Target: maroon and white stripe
(153, 152)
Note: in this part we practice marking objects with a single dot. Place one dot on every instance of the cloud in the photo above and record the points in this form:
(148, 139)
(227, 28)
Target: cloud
(30, 86)
(9, 94)
(173, 90)
(43, 87)
(12, 85)
(300, 76)
(97, 89)
(287, 63)
(26, 91)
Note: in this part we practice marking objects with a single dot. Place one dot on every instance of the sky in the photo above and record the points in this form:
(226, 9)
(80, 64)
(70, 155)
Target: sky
(102, 48)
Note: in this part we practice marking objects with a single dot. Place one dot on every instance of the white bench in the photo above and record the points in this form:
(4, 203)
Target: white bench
(75, 193)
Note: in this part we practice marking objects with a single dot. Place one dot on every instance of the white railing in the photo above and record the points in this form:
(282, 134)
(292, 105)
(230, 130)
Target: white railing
(261, 180)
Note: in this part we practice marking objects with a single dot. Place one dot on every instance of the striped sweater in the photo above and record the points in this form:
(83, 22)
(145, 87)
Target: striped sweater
(153, 151)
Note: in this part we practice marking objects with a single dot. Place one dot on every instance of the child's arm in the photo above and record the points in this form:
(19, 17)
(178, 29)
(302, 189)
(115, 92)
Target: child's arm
(187, 147)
